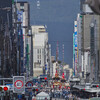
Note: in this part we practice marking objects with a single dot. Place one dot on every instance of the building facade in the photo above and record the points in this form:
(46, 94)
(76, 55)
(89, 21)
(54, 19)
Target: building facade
(6, 68)
(68, 72)
(88, 45)
(41, 51)
(24, 43)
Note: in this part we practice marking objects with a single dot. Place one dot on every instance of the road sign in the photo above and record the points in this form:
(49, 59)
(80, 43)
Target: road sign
(10, 86)
(29, 84)
(19, 84)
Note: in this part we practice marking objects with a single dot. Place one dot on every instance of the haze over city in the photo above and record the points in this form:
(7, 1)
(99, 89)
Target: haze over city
(59, 16)
(49, 49)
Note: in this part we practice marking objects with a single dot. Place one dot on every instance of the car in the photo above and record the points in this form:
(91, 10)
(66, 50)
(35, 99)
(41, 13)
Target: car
(87, 85)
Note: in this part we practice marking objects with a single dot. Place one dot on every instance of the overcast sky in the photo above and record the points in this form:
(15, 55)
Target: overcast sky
(59, 16)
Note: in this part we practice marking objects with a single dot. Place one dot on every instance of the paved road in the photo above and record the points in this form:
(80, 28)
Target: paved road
(57, 99)
(61, 99)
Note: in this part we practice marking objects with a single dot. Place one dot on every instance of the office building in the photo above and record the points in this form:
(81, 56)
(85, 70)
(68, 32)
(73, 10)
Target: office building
(22, 10)
(6, 68)
(41, 51)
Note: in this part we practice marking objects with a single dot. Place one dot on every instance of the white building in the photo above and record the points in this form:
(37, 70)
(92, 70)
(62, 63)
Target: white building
(68, 72)
(41, 51)
(54, 69)
(55, 66)
(86, 64)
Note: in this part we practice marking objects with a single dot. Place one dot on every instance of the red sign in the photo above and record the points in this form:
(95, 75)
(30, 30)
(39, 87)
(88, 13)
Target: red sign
(18, 84)
(29, 84)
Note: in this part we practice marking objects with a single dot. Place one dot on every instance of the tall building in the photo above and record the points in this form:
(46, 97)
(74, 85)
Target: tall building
(86, 55)
(6, 68)
(41, 51)
(68, 72)
(79, 42)
(56, 67)
(51, 68)
(75, 48)
(22, 10)
(85, 7)
(6, 11)
(89, 39)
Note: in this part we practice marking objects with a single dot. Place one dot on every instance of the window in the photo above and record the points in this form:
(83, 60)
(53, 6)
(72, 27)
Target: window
(38, 56)
(21, 7)
(40, 61)
(38, 51)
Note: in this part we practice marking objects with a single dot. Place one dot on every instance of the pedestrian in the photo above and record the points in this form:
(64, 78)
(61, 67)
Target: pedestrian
(46, 99)
(50, 98)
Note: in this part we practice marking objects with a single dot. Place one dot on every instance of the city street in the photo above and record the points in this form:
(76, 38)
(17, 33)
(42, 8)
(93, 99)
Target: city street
(57, 99)
(49, 49)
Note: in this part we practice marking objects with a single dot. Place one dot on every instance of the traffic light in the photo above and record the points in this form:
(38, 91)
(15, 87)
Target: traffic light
(35, 90)
(41, 85)
(45, 78)
(4, 88)
(97, 86)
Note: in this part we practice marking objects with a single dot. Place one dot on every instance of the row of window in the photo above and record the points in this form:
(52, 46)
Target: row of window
(39, 55)
(39, 51)
(39, 61)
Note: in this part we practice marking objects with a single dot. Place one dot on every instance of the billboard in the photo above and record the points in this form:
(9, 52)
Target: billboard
(75, 51)
(74, 54)
(75, 39)
(20, 16)
(20, 37)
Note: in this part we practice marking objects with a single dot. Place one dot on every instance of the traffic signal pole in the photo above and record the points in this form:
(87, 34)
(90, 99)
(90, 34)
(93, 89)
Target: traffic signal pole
(6, 96)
